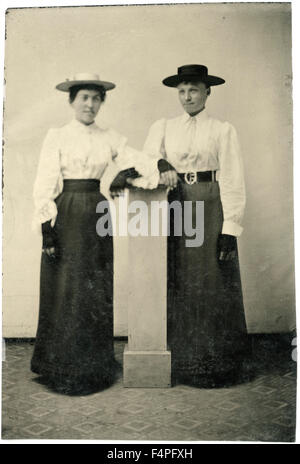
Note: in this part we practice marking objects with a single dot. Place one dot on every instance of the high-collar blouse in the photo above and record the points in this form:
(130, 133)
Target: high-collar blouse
(202, 143)
(77, 151)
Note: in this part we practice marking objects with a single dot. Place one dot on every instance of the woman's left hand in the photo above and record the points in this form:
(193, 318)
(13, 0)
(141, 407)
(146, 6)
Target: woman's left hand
(121, 181)
(227, 247)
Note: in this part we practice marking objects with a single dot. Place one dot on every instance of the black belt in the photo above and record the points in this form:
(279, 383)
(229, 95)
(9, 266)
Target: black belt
(81, 185)
(193, 177)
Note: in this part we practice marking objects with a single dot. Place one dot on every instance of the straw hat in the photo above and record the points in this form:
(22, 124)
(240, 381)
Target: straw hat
(84, 78)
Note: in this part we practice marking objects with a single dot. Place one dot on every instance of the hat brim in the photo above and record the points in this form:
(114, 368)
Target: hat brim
(65, 86)
(174, 81)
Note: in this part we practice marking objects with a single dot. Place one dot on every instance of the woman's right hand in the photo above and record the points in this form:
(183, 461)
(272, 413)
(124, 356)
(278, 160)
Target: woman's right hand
(49, 240)
(168, 174)
(51, 252)
(169, 178)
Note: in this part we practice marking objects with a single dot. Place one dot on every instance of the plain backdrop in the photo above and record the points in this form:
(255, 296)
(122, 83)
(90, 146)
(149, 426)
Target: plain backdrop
(249, 45)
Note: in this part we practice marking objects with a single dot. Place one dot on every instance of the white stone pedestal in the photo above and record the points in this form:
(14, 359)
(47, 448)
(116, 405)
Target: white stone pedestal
(147, 363)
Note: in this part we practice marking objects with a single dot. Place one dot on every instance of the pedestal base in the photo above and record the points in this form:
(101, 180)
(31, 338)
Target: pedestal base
(147, 369)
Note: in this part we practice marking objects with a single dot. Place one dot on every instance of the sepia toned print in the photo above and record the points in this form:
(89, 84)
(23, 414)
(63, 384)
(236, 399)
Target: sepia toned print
(197, 342)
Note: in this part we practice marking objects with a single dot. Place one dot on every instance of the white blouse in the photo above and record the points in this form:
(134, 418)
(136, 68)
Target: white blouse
(201, 143)
(77, 151)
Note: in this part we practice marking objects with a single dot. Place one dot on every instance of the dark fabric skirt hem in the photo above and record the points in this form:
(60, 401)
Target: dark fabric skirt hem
(214, 379)
(73, 383)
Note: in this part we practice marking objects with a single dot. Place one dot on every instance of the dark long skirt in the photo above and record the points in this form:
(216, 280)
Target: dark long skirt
(74, 341)
(206, 323)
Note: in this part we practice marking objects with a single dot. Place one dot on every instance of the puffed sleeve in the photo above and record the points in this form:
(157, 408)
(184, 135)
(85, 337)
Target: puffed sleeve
(154, 145)
(125, 157)
(231, 181)
(45, 188)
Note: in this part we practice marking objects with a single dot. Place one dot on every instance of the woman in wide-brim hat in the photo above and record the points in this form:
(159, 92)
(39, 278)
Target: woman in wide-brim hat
(200, 159)
(74, 344)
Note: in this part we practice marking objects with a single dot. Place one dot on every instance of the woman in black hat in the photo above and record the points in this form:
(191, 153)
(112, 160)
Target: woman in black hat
(199, 159)
(74, 343)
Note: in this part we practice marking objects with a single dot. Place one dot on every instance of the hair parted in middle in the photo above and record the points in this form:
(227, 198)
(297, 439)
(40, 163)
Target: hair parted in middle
(75, 89)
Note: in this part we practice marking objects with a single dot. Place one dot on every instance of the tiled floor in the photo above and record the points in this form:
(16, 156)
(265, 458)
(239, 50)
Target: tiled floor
(261, 410)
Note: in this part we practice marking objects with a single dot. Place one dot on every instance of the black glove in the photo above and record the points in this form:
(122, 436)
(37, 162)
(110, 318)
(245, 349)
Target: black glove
(49, 240)
(227, 246)
(163, 166)
(120, 181)
(168, 174)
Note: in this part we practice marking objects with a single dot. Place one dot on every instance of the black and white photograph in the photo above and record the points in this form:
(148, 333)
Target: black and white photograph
(148, 263)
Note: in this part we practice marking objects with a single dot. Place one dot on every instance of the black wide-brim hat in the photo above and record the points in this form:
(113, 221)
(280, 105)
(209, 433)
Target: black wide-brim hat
(192, 72)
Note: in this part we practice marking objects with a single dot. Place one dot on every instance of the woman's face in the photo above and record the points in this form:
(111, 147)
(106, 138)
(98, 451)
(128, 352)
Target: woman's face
(192, 96)
(86, 105)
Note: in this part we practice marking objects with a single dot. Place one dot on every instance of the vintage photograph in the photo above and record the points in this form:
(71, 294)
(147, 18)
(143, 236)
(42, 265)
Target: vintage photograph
(148, 224)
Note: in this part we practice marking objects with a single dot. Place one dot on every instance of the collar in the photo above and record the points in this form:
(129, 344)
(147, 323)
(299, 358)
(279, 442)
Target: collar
(202, 116)
(77, 125)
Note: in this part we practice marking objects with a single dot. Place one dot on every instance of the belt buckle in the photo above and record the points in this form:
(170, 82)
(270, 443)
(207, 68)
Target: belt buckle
(190, 177)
